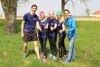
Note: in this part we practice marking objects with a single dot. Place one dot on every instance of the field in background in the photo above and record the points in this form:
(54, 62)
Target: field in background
(82, 18)
(87, 48)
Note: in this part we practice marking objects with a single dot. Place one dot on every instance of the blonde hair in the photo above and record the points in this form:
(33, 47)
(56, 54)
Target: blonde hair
(62, 19)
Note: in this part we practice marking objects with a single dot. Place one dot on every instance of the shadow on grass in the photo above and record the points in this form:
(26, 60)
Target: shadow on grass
(30, 52)
(48, 51)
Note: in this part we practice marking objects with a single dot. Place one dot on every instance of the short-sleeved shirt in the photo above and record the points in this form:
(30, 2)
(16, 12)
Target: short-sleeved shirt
(30, 22)
(43, 33)
(51, 24)
(59, 26)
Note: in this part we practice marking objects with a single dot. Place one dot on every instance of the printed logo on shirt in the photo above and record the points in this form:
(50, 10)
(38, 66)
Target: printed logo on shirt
(43, 24)
(34, 18)
(58, 25)
(52, 24)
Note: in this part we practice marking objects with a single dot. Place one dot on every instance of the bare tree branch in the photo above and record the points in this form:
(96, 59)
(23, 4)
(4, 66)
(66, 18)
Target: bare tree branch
(84, 1)
(66, 1)
(72, 2)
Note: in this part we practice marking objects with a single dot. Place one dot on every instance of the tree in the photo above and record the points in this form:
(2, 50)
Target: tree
(87, 10)
(10, 10)
(64, 2)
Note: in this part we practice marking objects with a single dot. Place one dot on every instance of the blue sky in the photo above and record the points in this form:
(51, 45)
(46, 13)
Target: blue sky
(55, 5)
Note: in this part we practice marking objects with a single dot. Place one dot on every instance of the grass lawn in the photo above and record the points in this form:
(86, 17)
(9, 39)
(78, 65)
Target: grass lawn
(87, 48)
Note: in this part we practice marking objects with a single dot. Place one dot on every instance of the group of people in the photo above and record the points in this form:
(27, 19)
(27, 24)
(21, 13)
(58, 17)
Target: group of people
(49, 28)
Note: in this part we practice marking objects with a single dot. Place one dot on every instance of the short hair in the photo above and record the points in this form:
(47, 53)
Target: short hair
(67, 10)
(34, 5)
(51, 12)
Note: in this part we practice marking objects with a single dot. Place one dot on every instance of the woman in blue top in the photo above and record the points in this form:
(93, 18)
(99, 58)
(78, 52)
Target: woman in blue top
(42, 33)
(62, 35)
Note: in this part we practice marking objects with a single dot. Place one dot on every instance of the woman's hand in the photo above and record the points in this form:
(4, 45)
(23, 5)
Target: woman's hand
(52, 28)
(61, 31)
(40, 29)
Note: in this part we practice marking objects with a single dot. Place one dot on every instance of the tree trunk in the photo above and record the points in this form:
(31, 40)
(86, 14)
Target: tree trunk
(10, 8)
(62, 5)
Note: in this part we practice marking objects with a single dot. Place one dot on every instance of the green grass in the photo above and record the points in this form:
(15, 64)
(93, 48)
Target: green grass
(87, 48)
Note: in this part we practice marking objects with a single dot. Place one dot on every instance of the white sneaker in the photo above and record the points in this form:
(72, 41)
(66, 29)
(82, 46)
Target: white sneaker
(50, 56)
(54, 58)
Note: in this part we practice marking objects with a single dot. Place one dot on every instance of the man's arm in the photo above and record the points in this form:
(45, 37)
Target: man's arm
(22, 28)
(38, 26)
(73, 25)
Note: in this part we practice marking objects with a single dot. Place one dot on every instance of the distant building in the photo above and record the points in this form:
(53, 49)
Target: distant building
(96, 14)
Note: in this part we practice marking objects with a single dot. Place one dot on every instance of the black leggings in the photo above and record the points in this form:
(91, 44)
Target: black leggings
(43, 45)
(61, 46)
(52, 41)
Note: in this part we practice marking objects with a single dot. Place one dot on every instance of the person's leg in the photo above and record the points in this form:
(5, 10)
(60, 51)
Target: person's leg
(54, 49)
(71, 44)
(44, 46)
(36, 48)
(73, 57)
(51, 48)
(53, 45)
(41, 43)
(64, 47)
(25, 49)
(60, 47)
(74, 54)
(26, 39)
(55, 40)
(35, 39)
(44, 49)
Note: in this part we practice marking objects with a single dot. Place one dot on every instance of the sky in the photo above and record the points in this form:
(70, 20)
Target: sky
(78, 8)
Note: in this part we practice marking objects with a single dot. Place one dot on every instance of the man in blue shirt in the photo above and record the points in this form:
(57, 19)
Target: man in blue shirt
(52, 34)
(71, 25)
(28, 31)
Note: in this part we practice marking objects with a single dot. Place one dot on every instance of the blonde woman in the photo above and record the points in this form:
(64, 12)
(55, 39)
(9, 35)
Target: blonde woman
(62, 35)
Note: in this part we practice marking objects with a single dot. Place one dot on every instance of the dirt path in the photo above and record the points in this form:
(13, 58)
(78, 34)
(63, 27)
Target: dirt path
(88, 19)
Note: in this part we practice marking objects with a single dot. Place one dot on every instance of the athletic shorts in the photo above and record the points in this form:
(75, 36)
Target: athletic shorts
(30, 36)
